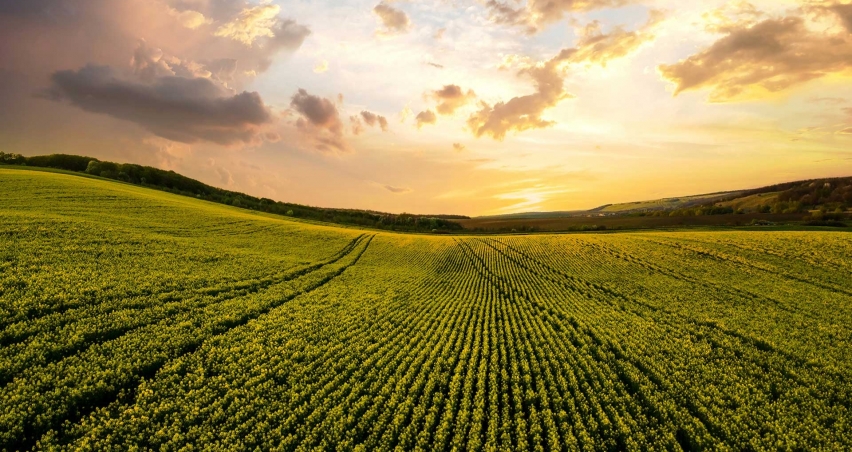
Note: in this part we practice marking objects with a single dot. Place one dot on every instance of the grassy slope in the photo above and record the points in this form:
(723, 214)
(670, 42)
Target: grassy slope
(667, 203)
(750, 202)
(145, 318)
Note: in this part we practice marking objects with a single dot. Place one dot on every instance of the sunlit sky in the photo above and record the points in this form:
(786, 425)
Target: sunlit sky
(466, 107)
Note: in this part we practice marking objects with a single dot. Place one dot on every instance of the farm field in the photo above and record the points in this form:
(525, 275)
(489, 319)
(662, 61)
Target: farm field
(134, 319)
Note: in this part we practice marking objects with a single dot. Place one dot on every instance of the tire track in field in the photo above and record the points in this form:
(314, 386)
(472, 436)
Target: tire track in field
(721, 257)
(171, 292)
(585, 393)
(14, 364)
(76, 406)
(739, 293)
(603, 343)
(663, 386)
(667, 319)
(760, 248)
(755, 342)
(680, 320)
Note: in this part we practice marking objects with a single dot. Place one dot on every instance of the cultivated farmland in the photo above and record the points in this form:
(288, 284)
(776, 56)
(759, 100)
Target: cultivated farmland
(134, 319)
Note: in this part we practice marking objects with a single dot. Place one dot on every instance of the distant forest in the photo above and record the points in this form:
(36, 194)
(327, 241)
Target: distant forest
(172, 182)
(821, 198)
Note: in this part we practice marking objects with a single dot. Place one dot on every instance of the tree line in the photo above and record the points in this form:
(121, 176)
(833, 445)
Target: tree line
(173, 182)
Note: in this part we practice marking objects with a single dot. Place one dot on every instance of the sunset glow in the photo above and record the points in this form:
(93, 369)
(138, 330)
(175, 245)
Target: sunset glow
(440, 106)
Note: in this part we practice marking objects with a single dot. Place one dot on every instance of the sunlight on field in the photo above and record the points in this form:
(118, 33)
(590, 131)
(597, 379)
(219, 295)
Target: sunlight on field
(135, 318)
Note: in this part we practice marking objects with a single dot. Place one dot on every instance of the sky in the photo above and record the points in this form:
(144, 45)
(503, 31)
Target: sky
(474, 107)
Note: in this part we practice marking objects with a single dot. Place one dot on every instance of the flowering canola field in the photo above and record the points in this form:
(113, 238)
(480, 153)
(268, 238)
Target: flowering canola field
(133, 319)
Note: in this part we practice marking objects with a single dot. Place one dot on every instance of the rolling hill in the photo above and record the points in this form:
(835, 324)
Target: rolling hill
(788, 202)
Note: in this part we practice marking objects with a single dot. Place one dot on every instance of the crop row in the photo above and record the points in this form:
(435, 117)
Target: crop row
(486, 344)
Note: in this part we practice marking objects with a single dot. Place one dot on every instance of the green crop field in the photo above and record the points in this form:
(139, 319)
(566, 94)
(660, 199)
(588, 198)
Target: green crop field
(132, 319)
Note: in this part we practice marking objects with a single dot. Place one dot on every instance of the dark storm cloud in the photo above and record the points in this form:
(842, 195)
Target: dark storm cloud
(176, 108)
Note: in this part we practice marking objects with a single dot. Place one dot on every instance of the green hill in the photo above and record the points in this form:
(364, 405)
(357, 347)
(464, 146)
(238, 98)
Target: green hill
(172, 182)
(830, 195)
(135, 319)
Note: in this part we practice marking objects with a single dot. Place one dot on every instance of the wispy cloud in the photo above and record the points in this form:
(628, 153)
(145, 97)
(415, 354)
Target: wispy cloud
(397, 190)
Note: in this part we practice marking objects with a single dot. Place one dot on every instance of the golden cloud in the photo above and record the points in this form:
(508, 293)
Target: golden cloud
(321, 67)
(189, 18)
(425, 117)
(597, 47)
(397, 190)
(251, 24)
(450, 98)
(536, 14)
(845, 14)
(261, 26)
(731, 16)
(394, 20)
(769, 56)
(525, 112)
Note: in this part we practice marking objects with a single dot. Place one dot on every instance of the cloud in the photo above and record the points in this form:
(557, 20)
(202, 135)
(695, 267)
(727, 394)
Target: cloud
(189, 18)
(149, 62)
(321, 67)
(436, 65)
(504, 14)
(357, 125)
(405, 113)
(319, 122)
(829, 100)
(373, 119)
(772, 55)
(394, 20)
(223, 69)
(252, 24)
(534, 15)
(450, 98)
(846, 131)
(397, 190)
(186, 110)
(844, 12)
(525, 112)
(425, 117)
(731, 16)
(597, 47)
(225, 176)
(458, 147)
(262, 31)
(38, 37)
